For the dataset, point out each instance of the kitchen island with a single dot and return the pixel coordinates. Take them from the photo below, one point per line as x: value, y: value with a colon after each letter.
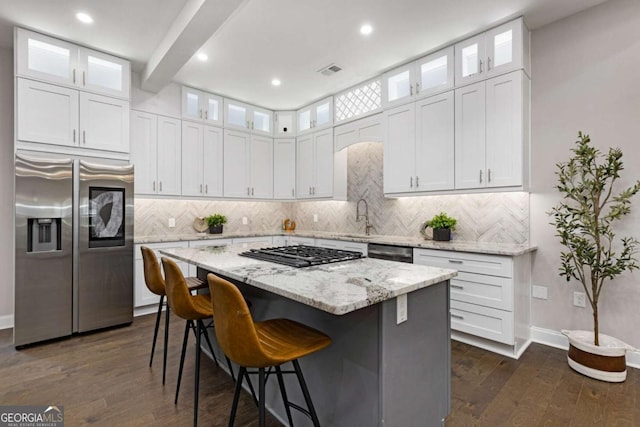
x: 376, y: 371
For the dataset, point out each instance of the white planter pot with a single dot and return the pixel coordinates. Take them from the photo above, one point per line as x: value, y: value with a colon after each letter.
x: 605, y: 362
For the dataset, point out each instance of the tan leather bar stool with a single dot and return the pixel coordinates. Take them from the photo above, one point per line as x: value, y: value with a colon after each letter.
x: 194, y: 309
x: 155, y: 283
x: 261, y: 345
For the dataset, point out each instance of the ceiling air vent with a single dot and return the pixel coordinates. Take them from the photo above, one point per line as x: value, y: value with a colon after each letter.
x: 331, y: 69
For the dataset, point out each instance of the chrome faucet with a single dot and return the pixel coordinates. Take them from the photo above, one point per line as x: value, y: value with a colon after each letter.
x: 367, y: 224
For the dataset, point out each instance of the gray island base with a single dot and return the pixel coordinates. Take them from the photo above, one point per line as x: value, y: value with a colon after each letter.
x: 376, y: 372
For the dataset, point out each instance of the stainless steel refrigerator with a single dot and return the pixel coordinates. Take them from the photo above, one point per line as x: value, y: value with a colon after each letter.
x: 73, y: 248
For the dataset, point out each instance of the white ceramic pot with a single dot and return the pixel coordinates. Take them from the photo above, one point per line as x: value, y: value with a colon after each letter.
x: 605, y: 362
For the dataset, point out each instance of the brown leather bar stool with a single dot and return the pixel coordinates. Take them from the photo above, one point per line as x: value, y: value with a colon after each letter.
x: 261, y: 345
x: 155, y: 283
x: 194, y: 309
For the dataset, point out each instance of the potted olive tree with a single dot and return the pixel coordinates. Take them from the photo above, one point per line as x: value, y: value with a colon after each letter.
x: 215, y: 223
x: 592, y: 256
x: 442, y: 225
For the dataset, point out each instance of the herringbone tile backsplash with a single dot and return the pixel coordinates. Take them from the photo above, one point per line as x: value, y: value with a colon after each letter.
x: 494, y: 217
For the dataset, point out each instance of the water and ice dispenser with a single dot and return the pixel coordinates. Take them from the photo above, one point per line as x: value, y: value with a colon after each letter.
x: 44, y: 234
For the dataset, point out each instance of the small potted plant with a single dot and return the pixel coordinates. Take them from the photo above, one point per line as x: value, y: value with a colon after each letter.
x: 215, y: 222
x: 442, y: 225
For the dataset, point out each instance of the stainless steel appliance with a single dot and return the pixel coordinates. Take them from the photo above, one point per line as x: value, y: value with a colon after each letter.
x: 74, y: 247
x: 390, y: 252
x: 301, y: 255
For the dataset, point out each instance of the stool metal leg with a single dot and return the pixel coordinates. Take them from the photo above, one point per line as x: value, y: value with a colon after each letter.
x: 166, y: 343
x: 197, y: 379
x: 261, y: 406
x: 283, y: 392
x: 305, y: 392
x: 236, y: 395
x: 184, y: 349
x: 155, y: 331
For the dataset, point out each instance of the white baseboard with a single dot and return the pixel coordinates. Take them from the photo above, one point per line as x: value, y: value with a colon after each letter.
x: 147, y: 309
x: 557, y: 340
x: 6, y: 321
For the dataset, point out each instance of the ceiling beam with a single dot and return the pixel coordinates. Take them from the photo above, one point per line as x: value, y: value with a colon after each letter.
x: 195, y: 24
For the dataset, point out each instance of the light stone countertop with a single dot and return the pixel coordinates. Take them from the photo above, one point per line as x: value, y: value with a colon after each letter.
x: 416, y: 242
x: 337, y: 288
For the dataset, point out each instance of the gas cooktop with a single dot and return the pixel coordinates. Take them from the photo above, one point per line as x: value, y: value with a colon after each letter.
x: 301, y: 255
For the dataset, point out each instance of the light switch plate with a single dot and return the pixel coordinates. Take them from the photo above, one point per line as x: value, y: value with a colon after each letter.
x: 401, y: 308
x: 539, y: 292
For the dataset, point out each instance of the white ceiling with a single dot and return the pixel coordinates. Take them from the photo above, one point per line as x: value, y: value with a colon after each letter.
x: 264, y: 39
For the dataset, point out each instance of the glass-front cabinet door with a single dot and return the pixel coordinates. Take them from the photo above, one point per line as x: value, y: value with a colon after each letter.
x: 212, y: 109
x: 46, y: 58
x: 304, y: 120
x: 397, y: 86
x: 435, y: 73
x: 105, y: 73
x: 261, y: 121
x: 201, y: 106
x: 470, y: 60
x: 236, y: 115
x: 505, y: 48
x: 323, y: 113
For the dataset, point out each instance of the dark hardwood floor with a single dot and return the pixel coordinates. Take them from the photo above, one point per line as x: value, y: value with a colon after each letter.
x: 104, y: 379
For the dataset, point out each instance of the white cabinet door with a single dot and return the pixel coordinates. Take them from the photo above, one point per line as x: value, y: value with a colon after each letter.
x: 505, y: 48
x: 104, y: 73
x: 201, y: 106
x: 144, y: 128
x: 434, y: 157
x: 504, y: 144
x: 192, y: 162
x: 236, y: 164
x: 323, y: 114
x: 104, y: 123
x: 305, y: 120
x: 261, y: 169
x: 285, y: 124
x: 169, y: 156
x: 434, y: 73
x: 236, y: 115
x: 399, y: 149
x: 212, y: 109
x: 398, y: 86
x: 261, y: 121
x: 304, y: 167
x: 46, y: 58
x: 470, y: 136
x: 47, y: 113
x: 470, y: 60
x: 284, y: 168
x: 323, y: 141
x: 212, y: 158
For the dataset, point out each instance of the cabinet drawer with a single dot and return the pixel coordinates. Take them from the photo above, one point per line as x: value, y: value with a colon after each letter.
x: 493, y: 265
x: 488, y: 291
x: 485, y: 322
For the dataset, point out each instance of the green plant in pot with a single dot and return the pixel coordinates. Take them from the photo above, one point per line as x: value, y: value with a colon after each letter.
x: 442, y: 225
x: 592, y: 256
x: 215, y: 223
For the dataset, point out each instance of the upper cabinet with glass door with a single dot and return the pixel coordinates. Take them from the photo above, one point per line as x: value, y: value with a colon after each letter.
x: 425, y: 77
x: 316, y: 116
x: 500, y: 50
x: 56, y: 61
x: 201, y: 106
x: 247, y: 117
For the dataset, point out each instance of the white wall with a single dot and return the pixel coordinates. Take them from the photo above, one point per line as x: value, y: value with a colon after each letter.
x: 585, y: 77
x: 6, y: 187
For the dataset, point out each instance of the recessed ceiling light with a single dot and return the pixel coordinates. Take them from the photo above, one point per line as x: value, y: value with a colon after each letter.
x: 202, y: 57
x: 83, y: 17
x: 276, y: 82
x: 366, y: 29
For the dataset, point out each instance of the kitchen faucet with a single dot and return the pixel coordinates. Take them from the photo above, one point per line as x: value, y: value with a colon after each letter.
x: 367, y: 225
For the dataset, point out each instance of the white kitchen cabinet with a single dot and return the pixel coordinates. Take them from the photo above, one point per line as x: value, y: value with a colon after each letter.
x: 491, y: 135
x: 419, y: 79
x: 247, y: 117
x: 248, y: 160
x: 156, y: 151
x: 500, y: 50
x: 367, y: 129
x: 284, y: 124
x: 202, y: 157
x: 201, y: 106
x: 284, y: 168
x: 142, y: 295
x: 490, y: 298
x: 56, y: 61
x: 193, y: 269
x: 419, y: 146
x: 316, y: 116
x: 52, y: 114
x: 314, y: 165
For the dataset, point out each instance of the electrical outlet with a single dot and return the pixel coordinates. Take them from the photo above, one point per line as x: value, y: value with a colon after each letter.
x: 172, y: 222
x: 401, y: 308
x: 315, y: 217
x: 245, y: 221
x: 579, y: 299
x: 539, y: 292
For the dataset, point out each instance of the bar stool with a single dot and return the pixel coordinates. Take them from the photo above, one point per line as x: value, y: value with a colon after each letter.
x: 261, y: 345
x: 155, y: 283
